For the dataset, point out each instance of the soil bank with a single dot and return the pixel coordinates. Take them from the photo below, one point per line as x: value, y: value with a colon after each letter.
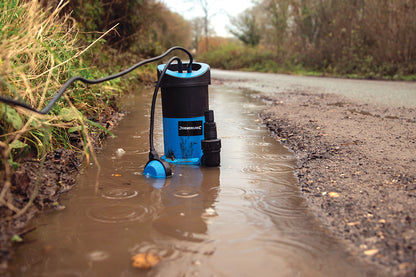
x: 356, y: 169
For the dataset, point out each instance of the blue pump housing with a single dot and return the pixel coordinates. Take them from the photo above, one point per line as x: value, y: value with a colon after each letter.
x: 184, y: 101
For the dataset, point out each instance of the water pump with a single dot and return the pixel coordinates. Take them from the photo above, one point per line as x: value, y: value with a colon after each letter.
x: 189, y: 130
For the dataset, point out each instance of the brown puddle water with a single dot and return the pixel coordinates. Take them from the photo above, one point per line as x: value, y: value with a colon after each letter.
x: 246, y: 218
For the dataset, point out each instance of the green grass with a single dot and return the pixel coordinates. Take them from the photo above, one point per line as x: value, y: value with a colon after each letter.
x: 39, y: 52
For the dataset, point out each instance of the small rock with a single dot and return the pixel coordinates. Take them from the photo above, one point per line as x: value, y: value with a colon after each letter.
x: 120, y: 152
x: 333, y: 194
x: 371, y: 252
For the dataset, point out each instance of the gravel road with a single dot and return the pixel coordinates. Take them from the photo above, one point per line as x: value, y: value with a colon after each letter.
x: 356, y: 143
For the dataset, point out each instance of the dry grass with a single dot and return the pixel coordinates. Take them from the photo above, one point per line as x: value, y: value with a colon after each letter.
x: 39, y: 50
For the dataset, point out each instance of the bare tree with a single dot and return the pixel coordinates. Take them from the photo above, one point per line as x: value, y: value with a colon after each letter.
x: 205, y: 9
x: 197, y: 30
x: 245, y: 28
x: 208, y: 12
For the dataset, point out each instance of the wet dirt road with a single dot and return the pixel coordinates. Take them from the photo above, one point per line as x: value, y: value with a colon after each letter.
x: 246, y: 218
x: 355, y: 141
x: 392, y: 94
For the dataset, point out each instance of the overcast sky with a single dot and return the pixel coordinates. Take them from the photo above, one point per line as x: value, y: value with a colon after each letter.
x: 221, y: 9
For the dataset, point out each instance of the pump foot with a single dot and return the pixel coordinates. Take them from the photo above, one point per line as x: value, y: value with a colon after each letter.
x: 157, y: 169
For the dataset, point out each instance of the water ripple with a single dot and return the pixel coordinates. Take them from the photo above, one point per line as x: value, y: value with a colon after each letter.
x: 186, y: 192
x: 167, y: 251
x: 119, y: 193
x: 288, y: 245
x: 270, y: 168
x: 117, y: 213
x: 229, y: 191
x: 285, y: 205
x: 274, y: 157
x: 254, y: 128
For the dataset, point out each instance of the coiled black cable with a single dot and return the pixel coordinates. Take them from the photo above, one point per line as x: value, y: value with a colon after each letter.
x: 70, y: 81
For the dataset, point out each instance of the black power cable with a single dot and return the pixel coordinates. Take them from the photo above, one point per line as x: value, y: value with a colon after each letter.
x: 152, y: 153
x: 65, y: 86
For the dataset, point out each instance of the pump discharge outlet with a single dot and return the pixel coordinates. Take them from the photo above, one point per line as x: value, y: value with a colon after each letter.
x: 211, y: 145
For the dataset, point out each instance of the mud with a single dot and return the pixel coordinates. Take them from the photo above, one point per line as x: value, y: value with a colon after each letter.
x: 356, y: 168
x: 42, y: 181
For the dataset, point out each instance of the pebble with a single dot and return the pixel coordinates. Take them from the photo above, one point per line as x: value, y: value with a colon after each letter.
x: 371, y: 252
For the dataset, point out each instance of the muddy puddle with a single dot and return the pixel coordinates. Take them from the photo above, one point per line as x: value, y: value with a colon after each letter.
x: 246, y: 218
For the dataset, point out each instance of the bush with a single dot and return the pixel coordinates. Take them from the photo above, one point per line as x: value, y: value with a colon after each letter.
x: 235, y: 56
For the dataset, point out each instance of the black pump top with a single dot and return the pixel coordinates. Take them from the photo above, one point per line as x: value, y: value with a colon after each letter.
x: 200, y: 75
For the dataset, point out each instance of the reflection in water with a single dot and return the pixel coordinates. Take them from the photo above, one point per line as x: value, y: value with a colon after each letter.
x: 246, y: 218
x: 186, y: 199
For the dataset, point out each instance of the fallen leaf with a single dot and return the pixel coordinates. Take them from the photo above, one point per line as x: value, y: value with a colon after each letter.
x: 333, y: 194
x: 371, y: 252
x: 146, y: 260
x: 16, y: 238
x: 117, y: 175
x: 353, y: 223
x: 382, y: 221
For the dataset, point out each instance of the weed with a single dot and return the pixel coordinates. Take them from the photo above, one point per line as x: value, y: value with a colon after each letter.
x: 39, y: 51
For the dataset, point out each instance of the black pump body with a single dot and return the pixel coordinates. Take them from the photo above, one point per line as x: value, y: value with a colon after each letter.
x: 184, y: 102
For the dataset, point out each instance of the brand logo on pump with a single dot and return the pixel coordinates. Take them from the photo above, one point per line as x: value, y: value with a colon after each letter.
x: 190, y: 128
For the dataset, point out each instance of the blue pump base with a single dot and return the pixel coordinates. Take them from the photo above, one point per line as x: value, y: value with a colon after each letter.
x: 157, y: 169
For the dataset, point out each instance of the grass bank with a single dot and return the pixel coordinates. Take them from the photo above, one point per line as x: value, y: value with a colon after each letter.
x: 39, y: 50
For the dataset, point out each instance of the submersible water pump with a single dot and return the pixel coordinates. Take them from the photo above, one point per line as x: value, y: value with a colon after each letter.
x: 189, y: 130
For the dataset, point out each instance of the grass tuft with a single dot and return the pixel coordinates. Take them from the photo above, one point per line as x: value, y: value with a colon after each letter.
x: 39, y: 51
